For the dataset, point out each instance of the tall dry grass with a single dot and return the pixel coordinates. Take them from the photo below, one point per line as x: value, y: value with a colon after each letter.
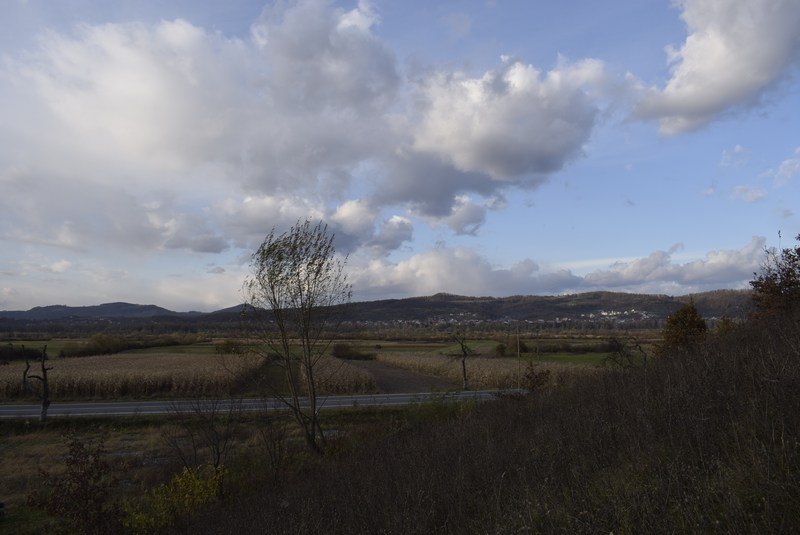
x: 482, y: 372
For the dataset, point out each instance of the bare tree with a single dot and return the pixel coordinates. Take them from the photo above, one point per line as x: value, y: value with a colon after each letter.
x: 466, y: 351
x: 297, y: 280
x: 206, y: 424
x: 42, y: 392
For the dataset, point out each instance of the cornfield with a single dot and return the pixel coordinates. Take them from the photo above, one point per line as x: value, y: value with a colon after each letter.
x: 337, y: 376
x: 129, y: 375
x: 143, y: 375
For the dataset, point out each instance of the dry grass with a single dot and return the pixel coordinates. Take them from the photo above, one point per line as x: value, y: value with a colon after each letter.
x: 130, y: 375
x: 482, y: 372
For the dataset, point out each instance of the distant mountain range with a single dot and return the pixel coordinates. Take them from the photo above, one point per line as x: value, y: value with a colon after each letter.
x: 107, y: 310
x: 591, y: 305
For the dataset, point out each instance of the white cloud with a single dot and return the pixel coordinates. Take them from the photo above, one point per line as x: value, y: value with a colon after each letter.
x: 735, y: 51
x: 788, y: 169
x: 734, y: 157
x: 392, y: 234
x: 60, y: 266
x: 354, y: 217
x: 466, y: 216
x: 136, y: 111
x: 717, y: 269
x: 432, y: 271
x: 249, y: 220
x: 206, y: 291
x: 748, y: 194
x: 132, y: 112
x: 511, y: 122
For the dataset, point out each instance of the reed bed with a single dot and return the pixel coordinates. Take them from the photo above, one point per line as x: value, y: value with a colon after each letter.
x: 127, y: 375
x: 482, y: 372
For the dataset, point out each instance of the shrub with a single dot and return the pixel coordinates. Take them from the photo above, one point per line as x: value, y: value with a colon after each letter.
x: 171, y: 504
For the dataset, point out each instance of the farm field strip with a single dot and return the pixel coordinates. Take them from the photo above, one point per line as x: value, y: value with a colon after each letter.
x: 482, y: 372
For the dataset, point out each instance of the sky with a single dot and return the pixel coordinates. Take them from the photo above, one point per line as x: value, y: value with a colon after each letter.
x: 475, y: 147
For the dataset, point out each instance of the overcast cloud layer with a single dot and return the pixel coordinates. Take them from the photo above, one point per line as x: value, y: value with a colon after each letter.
x: 143, y: 161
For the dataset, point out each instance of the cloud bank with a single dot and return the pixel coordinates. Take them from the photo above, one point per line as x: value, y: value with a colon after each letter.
x: 431, y: 272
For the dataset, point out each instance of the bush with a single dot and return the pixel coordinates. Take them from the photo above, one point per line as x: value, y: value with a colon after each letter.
x: 172, y: 504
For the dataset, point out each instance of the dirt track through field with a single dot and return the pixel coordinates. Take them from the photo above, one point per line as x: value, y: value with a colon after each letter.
x: 391, y: 380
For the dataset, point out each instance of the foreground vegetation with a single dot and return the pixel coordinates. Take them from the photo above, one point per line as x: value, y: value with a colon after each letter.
x: 702, y: 440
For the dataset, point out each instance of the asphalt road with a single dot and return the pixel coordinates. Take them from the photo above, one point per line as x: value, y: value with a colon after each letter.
x: 136, y: 408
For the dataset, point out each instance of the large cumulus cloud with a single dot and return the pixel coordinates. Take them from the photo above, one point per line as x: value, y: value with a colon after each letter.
x: 511, y: 122
x: 735, y: 51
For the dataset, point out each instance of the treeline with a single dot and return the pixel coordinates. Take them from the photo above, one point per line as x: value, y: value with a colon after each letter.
x: 108, y: 344
x: 9, y: 352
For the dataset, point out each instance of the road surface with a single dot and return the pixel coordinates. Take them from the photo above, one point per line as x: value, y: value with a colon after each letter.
x: 139, y: 408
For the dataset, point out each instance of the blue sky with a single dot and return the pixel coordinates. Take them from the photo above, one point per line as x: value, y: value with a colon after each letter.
x: 472, y: 147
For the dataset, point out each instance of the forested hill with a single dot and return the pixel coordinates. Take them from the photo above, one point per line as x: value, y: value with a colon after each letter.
x: 584, y: 306
x: 107, y: 310
x: 591, y: 305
